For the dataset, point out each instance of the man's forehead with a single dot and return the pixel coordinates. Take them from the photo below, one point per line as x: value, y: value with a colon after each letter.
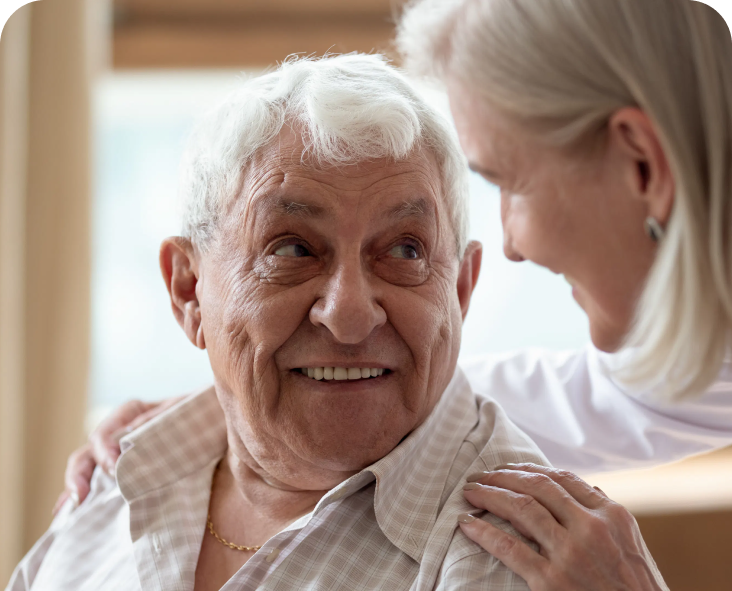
x: 292, y: 188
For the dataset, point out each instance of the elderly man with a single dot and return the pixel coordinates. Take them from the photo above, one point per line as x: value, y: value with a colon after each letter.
x: 325, y: 269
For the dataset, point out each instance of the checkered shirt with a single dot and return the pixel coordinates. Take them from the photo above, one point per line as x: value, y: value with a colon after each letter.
x: 392, y: 526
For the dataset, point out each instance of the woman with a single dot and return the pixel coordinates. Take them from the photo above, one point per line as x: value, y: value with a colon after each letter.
x: 608, y: 128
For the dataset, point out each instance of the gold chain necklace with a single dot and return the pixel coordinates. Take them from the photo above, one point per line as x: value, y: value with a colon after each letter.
x: 229, y: 544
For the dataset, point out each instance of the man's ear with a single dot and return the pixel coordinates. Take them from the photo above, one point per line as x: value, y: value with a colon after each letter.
x: 179, y: 267
x: 649, y: 174
x: 468, y: 274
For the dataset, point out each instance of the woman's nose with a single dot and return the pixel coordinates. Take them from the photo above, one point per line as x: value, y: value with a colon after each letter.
x: 508, y: 249
x: 348, y: 308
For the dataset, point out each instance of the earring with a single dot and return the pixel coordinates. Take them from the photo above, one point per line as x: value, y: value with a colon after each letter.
x: 653, y: 229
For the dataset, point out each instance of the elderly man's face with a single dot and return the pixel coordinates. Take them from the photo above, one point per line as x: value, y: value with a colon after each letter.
x: 323, y: 267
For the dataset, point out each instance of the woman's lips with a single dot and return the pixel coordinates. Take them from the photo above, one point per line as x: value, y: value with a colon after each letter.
x: 570, y: 280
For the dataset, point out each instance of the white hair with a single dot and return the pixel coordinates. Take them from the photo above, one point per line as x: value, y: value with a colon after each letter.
x: 348, y: 108
x: 564, y: 67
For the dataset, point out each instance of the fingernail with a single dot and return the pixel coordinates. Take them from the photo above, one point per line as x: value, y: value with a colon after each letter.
x: 477, y: 476
x: 109, y: 467
x: 471, y: 486
x: 74, y: 495
x: 465, y: 518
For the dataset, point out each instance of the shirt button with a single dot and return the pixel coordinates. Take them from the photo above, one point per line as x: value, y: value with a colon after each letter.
x: 272, y: 556
x: 156, y: 543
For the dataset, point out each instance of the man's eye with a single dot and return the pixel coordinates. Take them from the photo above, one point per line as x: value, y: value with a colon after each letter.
x: 292, y: 250
x: 404, y: 251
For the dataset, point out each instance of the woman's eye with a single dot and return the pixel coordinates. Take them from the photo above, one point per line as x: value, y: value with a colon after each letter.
x: 404, y: 251
x: 292, y: 250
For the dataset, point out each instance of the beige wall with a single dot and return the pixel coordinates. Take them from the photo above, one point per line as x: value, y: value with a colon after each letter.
x: 44, y: 260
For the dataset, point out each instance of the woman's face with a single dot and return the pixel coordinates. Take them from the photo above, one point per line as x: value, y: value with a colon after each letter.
x: 579, y: 216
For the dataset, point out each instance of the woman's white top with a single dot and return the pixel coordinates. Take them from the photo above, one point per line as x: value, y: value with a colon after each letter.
x: 585, y: 421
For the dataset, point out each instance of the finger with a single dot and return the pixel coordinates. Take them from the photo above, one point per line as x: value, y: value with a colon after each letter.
x: 79, y: 470
x: 589, y: 496
x: 153, y: 412
x: 599, y: 490
x: 565, y: 509
x: 527, y: 515
x: 105, y: 438
x: 62, y: 498
x: 511, y: 551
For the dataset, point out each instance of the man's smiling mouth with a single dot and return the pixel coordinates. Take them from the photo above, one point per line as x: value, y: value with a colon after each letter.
x: 342, y: 373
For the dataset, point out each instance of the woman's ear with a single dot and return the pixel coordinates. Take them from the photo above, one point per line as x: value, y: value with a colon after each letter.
x: 648, y: 173
x: 179, y: 267
x: 468, y: 274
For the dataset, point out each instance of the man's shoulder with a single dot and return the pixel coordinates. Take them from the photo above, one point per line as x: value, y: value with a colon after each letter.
x: 470, y: 568
x: 490, y: 441
x: 498, y: 440
x: 181, y: 441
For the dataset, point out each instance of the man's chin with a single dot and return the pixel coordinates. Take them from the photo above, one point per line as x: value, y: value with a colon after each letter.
x: 351, y: 452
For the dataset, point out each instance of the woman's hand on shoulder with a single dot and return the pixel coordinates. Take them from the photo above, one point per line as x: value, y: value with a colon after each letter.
x: 102, y: 448
x: 585, y: 540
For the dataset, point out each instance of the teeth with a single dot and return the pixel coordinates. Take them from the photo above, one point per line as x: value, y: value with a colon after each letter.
x: 341, y: 373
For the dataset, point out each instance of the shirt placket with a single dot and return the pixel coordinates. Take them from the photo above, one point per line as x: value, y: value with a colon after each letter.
x: 254, y: 574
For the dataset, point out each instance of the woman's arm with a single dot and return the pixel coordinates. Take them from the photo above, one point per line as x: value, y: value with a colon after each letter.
x: 585, y: 422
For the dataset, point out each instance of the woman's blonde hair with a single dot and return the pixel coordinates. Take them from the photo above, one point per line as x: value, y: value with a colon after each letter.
x: 565, y: 66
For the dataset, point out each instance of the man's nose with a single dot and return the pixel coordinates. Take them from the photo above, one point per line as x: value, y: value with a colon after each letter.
x: 348, y: 308
x: 508, y: 249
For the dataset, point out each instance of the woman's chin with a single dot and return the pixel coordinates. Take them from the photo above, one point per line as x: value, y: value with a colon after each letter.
x: 606, y: 338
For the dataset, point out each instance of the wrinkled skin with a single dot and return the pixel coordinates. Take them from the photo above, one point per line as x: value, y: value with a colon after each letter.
x: 319, y: 266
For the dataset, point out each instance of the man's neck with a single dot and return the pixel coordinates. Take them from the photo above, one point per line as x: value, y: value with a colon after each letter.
x: 261, y: 496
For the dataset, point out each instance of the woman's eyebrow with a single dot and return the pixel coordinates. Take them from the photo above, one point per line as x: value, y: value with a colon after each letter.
x: 483, y: 171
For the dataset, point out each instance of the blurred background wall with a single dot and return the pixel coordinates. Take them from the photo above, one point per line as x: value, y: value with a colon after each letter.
x: 46, y: 61
x: 96, y: 100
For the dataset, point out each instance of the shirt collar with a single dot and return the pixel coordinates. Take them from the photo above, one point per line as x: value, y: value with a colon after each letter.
x: 175, y: 444
x: 410, y: 480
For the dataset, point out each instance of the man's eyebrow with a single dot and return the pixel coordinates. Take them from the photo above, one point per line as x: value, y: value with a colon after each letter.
x: 412, y: 208
x: 296, y: 209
